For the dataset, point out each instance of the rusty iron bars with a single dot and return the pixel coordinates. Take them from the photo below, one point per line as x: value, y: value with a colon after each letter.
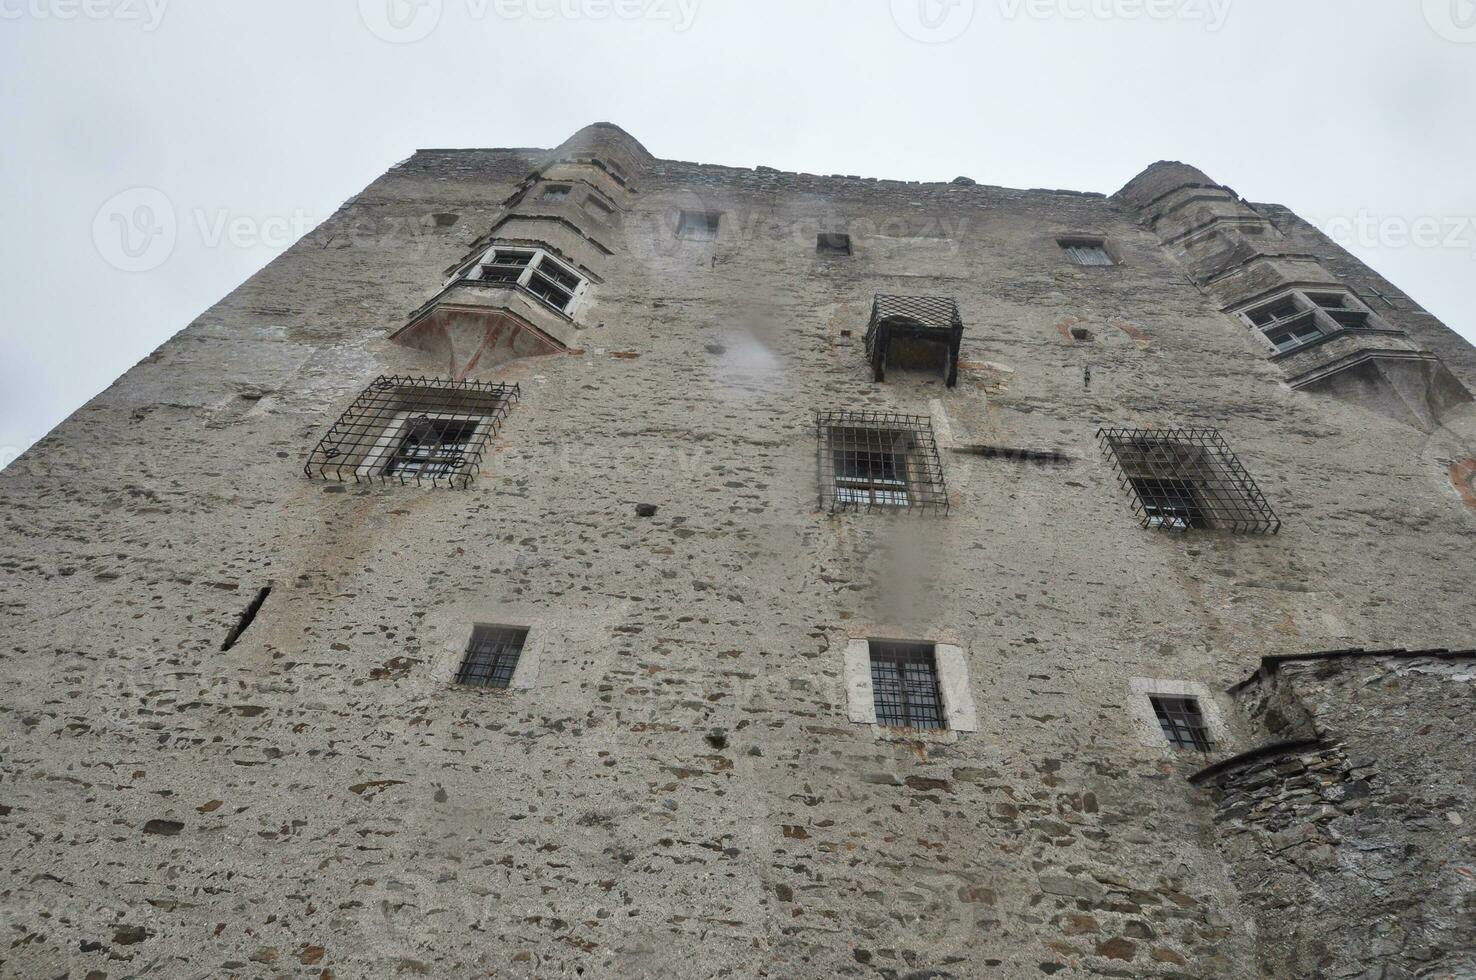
x: 421, y: 431
x: 904, y: 685
x: 879, y: 461
x: 1187, y: 479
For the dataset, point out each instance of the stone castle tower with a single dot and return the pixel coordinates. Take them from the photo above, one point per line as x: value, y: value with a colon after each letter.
x: 572, y: 563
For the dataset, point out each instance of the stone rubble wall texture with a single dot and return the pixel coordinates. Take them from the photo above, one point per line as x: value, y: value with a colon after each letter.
x: 680, y: 792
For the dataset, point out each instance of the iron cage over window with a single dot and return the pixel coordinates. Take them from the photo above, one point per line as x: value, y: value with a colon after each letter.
x: 879, y: 460
x: 914, y: 331
x: 1182, y: 479
x: 423, y: 431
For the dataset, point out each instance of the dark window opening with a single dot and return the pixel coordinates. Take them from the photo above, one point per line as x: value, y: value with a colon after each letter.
x: 833, y: 244
x: 554, y: 193
x: 1184, y: 479
x: 432, y: 447
x: 699, y: 226
x: 1086, y: 251
x: 553, y: 284
x: 506, y: 266
x: 492, y: 657
x: 1290, y: 336
x: 1270, y: 314
x: 904, y: 685
x: 1182, y: 722
x: 243, y: 623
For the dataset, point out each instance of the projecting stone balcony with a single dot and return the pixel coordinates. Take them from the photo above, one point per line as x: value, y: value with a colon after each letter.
x: 479, y: 324
x: 1381, y: 370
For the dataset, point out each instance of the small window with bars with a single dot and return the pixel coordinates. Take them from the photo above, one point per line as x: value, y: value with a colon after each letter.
x: 1182, y: 722
x: 1185, y: 479
x: 875, y: 460
x: 531, y: 270
x: 554, y: 193
x: 904, y: 685
x: 492, y: 657
x: 422, y: 431
x: 699, y: 226
x: 1086, y: 251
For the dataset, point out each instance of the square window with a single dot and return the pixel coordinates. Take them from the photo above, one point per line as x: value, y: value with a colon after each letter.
x: 904, y: 684
x: 505, y: 266
x: 1289, y: 336
x: 413, y: 430
x: 492, y: 657
x: 833, y: 244
x: 554, y: 193
x: 699, y: 226
x: 1184, y: 479
x: 1086, y: 251
x: 878, y: 460
x: 1182, y: 722
x: 432, y: 446
x: 534, y: 271
x: 1271, y: 313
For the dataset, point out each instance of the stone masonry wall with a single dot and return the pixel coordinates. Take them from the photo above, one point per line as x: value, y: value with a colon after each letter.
x: 679, y: 791
x: 1353, y: 849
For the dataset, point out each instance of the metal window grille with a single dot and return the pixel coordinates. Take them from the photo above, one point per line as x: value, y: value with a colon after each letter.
x: 879, y: 460
x: 1182, y: 722
x: 1187, y: 478
x: 699, y: 226
x: 533, y: 271
x: 492, y: 657
x: 904, y: 685
x: 423, y: 431
x: 1087, y: 253
x: 914, y: 319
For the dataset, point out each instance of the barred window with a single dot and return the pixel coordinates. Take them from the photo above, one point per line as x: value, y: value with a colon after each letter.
x: 914, y: 333
x: 1182, y: 722
x: 1086, y: 251
x: 699, y: 226
x: 904, y: 684
x: 554, y: 193
x: 1183, y: 479
x: 423, y: 431
x: 879, y: 460
x: 531, y: 270
x: 492, y: 656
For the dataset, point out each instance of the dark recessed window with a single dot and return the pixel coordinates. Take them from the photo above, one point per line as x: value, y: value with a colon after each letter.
x: 432, y: 447
x: 1182, y: 722
x: 1086, y: 251
x: 904, y: 684
x: 1181, y: 479
x: 1293, y: 333
x: 833, y: 244
x: 699, y: 226
x: 872, y: 460
x: 556, y: 192
x: 533, y: 271
x: 492, y: 656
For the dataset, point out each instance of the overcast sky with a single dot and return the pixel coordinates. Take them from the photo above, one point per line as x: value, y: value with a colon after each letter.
x: 252, y: 121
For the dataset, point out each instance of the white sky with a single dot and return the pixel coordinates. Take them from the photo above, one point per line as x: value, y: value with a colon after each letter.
x: 1352, y: 112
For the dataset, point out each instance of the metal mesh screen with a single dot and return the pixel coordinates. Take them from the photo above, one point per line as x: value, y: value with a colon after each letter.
x: 1181, y: 479
x: 879, y: 460
x: 413, y: 430
x: 492, y: 656
x: 929, y: 320
x: 1182, y: 722
x: 904, y: 684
